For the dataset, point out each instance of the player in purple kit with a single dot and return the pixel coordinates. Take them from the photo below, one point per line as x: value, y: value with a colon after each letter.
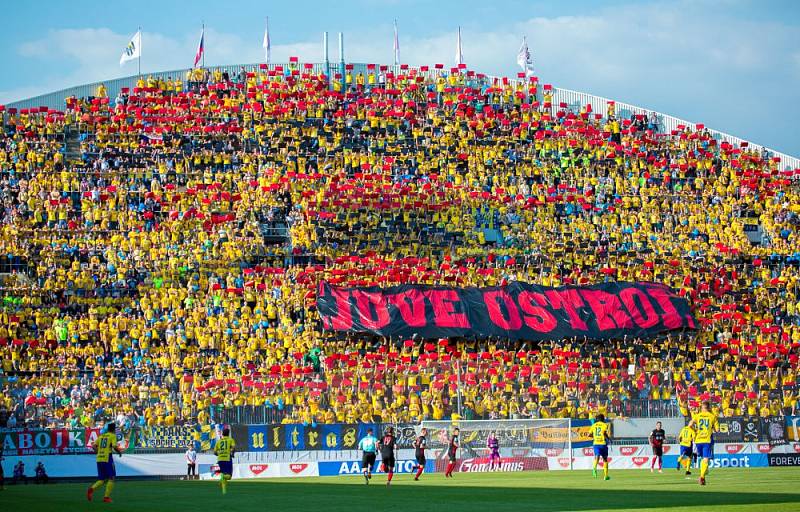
x: 494, y: 451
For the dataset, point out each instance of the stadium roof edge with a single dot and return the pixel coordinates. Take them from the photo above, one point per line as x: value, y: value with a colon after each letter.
x: 56, y: 100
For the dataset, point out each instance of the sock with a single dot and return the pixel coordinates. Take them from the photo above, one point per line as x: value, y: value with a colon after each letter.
x: 687, y: 463
x: 594, y: 465
x: 98, y: 484
x: 653, y: 463
x: 109, y: 488
x: 660, y: 462
x: 703, y: 468
x: 419, y: 470
x: 390, y: 475
x: 605, y: 468
x: 224, y: 483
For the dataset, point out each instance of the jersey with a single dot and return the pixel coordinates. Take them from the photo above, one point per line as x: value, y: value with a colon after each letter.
x: 657, y: 437
x: 706, y: 423
x: 224, y: 449
x: 387, y: 445
x: 493, y: 444
x: 686, y: 437
x: 453, y: 447
x: 105, y: 444
x: 420, y: 445
x: 368, y: 444
x: 600, y: 433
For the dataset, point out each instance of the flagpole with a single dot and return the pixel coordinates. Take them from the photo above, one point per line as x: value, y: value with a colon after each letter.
x: 139, y: 60
x: 269, y: 44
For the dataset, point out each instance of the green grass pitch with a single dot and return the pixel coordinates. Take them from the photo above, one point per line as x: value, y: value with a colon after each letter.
x: 762, y: 490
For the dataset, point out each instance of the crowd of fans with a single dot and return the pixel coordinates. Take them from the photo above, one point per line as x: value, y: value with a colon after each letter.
x: 169, y: 268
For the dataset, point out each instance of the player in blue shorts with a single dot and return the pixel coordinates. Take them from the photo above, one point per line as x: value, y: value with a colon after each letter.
x: 706, y: 424
x: 104, y: 447
x: 224, y: 449
x: 686, y: 440
x: 600, y: 439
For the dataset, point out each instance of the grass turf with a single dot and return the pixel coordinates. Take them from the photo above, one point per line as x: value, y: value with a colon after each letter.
x: 762, y: 489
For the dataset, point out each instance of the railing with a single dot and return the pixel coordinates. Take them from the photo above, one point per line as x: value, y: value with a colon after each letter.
x: 573, y: 99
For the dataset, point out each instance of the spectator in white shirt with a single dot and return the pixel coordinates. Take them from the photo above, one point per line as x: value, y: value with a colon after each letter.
x: 191, y: 463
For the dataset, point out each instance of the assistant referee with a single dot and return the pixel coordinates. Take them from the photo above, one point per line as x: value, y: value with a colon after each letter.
x: 369, y: 446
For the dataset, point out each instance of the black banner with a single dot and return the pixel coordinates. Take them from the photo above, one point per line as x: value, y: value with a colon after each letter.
x: 731, y: 430
x: 752, y: 429
x: 784, y: 459
x: 516, y: 311
x: 774, y: 429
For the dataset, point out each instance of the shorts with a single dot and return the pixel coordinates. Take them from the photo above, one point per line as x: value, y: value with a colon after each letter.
x: 421, y: 459
x: 105, y: 470
x: 451, y: 456
x: 388, y: 463
x: 686, y: 451
x: 225, y: 467
x: 601, y: 450
x: 658, y: 451
x: 704, y: 450
x: 494, y: 455
x: 368, y: 460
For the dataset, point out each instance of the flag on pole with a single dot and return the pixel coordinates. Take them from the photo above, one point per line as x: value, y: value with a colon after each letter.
x: 524, y: 58
x: 200, y: 47
x: 459, y: 51
x: 396, y: 45
x: 133, y: 50
x: 266, y: 43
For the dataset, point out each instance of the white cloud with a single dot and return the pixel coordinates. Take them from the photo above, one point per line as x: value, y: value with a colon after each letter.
x: 689, y: 59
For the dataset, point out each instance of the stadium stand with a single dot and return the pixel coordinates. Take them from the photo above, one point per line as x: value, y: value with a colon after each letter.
x: 162, y: 248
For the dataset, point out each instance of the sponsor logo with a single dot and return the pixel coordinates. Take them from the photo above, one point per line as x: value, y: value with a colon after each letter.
x: 639, y: 461
x: 354, y: 467
x: 788, y: 459
x: 588, y: 452
x: 742, y: 461
x: 764, y: 448
x: 797, y: 447
x: 297, y: 468
x: 733, y: 448
x: 667, y: 448
x: 257, y: 469
x: 627, y: 450
x: 553, y: 452
x: 482, y: 466
x: 563, y: 462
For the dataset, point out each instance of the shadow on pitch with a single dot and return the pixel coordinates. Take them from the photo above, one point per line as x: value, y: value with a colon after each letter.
x: 421, y: 497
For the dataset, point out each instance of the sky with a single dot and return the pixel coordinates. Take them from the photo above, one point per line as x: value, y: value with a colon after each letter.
x: 731, y: 64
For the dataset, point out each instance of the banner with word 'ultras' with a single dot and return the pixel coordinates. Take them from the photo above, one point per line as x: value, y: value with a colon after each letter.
x: 515, y: 311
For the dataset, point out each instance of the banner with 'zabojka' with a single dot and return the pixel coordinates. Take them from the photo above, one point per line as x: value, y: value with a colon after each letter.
x: 516, y: 311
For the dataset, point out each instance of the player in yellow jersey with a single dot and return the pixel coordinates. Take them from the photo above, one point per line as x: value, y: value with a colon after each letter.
x: 706, y: 424
x: 104, y: 446
x: 224, y: 449
x: 601, y: 436
x: 686, y: 439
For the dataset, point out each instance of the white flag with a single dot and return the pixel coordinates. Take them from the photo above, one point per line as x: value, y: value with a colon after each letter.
x: 459, y: 52
x: 524, y: 58
x: 133, y: 50
x: 266, y: 43
x: 396, y: 45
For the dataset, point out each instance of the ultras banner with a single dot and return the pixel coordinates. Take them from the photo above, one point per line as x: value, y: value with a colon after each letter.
x: 516, y: 311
